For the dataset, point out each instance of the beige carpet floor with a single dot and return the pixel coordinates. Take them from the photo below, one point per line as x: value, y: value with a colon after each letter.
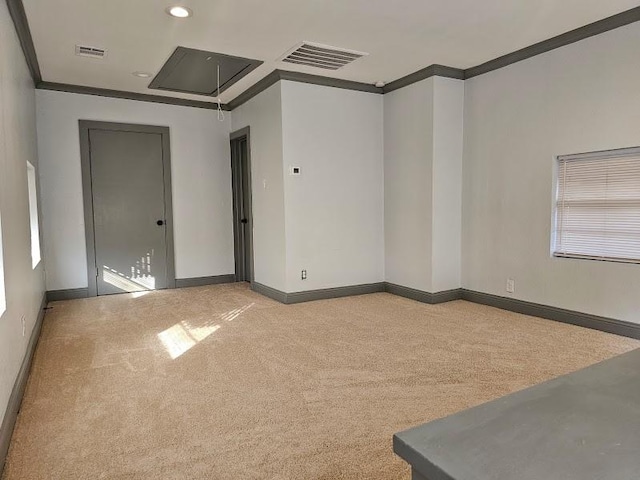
x: 222, y: 383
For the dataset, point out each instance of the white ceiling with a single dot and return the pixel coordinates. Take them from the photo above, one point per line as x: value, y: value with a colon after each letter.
x: 401, y: 36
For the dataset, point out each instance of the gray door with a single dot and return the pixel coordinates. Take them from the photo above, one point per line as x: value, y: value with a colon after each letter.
x: 129, y: 216
x: 243, y: 223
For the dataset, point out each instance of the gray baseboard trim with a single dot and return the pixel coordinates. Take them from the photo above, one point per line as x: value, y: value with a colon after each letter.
x: 15, y: 400
x: 594, y: 322
x: 276, y: 295
x: 313, y: 295
x: 70, y: 294
x: 202, y: 281
x: 338, y: 292
x: 421, y: 296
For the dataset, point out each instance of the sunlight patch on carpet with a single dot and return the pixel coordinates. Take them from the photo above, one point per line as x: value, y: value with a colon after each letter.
x: 183, y: 336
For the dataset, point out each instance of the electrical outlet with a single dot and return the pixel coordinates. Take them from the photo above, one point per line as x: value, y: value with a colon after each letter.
x: 24, y: 326
x: 304, y: 275
x: 511, y: 285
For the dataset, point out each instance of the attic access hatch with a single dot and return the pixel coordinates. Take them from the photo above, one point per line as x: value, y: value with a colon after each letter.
x: 196, y: 71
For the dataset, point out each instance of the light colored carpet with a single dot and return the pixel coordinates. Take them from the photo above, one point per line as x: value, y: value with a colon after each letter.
x: 222, y: 383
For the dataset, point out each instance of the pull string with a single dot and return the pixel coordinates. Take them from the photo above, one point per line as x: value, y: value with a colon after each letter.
x: 220, y: 112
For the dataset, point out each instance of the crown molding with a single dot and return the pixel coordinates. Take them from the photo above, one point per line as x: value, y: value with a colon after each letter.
x: 582, y: 33
x: 428, y: 72
x: 278, y: 75
x: 18, y: 15
x: 141, y: 97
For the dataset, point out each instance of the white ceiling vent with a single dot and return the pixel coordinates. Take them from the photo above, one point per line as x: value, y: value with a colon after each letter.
x: 92, y: 52
x: 321, y: 56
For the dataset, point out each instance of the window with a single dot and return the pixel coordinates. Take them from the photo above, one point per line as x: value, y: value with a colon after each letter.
x: 3, y: 299
x: 33, y: 215
x: 597, y: 214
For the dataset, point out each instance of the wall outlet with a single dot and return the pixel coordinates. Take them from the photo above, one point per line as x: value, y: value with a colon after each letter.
x: 511, y: 285
x: 304, y: 275
x: 24, y: 326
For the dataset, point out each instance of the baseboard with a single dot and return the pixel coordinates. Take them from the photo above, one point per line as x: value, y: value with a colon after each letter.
x: 421, y: 296
x: 70, y: 294
x: 338, y: 292
x: 202, y: 281
x: 269, y: 292
x: 312, y: 295
x: 15, y: 400
x: 603, y: 324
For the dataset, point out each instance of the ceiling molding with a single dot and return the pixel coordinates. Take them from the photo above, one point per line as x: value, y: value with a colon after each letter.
x: 278, y: 75
x: 601, y: 26
x: 329, y: 82
x: 255, y: 89
x: 430, y: 71
x: 141, y: 97
x: 19, y: 17
x: 596, y: 28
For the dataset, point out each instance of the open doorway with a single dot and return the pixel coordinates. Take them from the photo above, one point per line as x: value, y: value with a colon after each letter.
x: 242, y: 213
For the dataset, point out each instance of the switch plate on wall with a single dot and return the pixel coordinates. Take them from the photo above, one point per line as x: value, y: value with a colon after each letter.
x: 304, y: 275
x: 24, y: 325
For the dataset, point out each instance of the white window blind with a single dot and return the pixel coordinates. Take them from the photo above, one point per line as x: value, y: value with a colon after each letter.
x: 598, y: 206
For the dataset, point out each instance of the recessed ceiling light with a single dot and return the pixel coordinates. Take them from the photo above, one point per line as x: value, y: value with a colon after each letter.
x: 141, y: 74
x: 179, y: 12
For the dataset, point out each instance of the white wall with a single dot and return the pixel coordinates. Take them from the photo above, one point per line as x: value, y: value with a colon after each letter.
x: 579, y: 98
x: 200, y: 175
x: 408, y: 152
x: 263, y: 114
x: 448, y: 142
x: 334, y: 211
x: 24, y: 285
x: 423, y: 143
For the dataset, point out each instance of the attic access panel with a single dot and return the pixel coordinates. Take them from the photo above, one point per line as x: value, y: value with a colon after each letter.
x: 195, y: 71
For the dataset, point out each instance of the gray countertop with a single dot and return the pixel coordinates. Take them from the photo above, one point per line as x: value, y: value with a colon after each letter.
x: 581, y: 426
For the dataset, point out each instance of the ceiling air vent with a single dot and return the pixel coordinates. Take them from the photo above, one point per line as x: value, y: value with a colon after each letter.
x: 321, y: 56
x: 92, y: 52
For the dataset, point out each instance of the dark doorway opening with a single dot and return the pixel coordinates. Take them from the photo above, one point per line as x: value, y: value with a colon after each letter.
x: 242, y: 213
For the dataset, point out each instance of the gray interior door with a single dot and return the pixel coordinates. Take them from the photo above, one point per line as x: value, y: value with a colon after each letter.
x: 127, y: 184
x: 243, y: 225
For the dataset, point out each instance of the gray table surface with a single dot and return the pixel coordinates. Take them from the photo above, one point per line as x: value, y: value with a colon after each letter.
x: 581, y: 426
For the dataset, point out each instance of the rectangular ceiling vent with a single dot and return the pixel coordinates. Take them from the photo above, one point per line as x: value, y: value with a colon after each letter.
x: 92, y: 52
x: 321, y: 56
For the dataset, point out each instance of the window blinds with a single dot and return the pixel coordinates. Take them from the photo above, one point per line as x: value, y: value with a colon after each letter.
x: 598, y: 206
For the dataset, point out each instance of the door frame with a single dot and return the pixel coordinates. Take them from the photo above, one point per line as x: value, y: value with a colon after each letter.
x: 234, y: 136
x: 87, y: 194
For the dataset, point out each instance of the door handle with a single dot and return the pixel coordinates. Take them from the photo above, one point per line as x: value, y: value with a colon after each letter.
x: 160, y: 223
x: 244, y: 220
